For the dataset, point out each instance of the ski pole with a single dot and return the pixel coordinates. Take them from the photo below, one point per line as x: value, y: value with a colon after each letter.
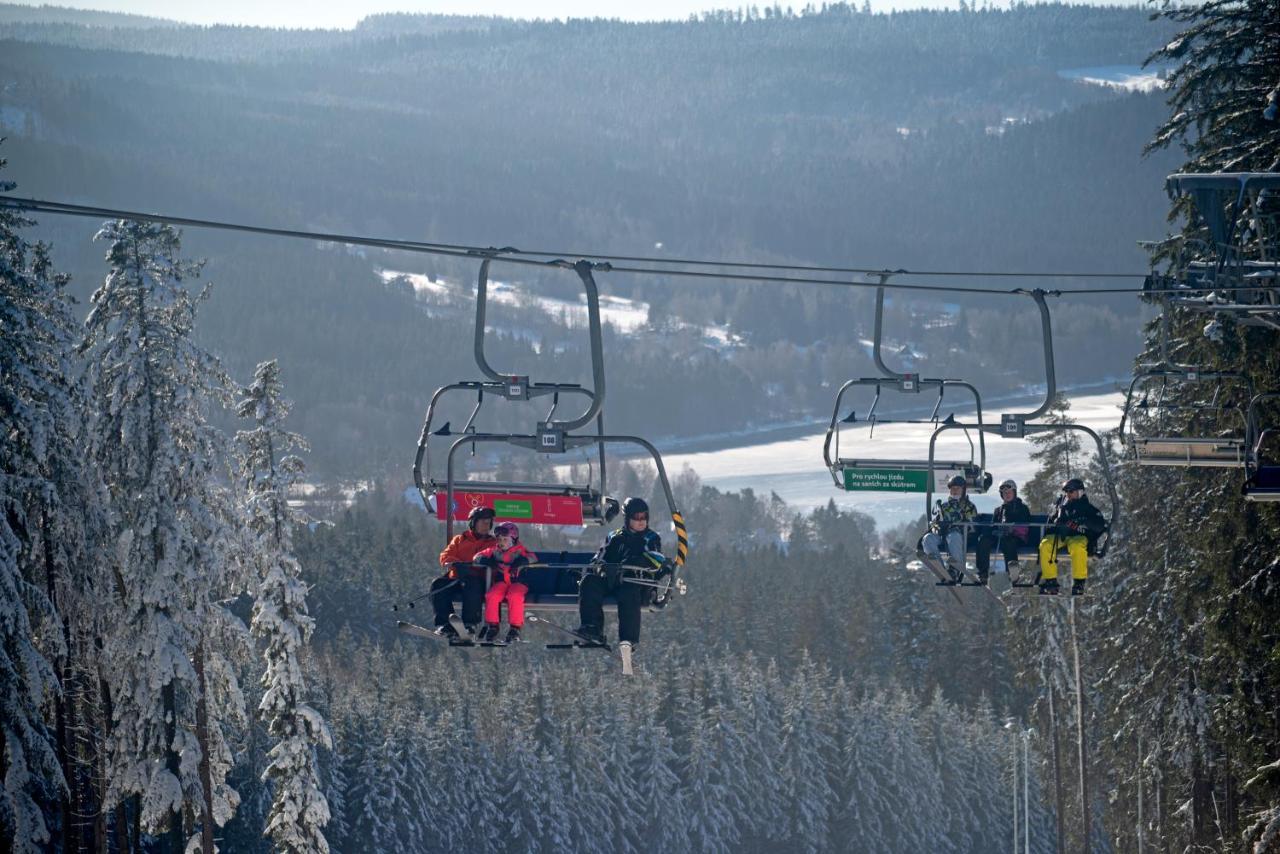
x: 415, y: 600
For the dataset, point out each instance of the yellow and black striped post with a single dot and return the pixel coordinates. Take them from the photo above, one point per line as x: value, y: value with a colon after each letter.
x: 682, y: 538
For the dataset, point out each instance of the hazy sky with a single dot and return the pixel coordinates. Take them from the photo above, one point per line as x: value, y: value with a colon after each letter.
x: 345, y: 13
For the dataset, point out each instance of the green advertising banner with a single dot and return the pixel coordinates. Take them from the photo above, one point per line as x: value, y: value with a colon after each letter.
x: 509, y: 509
x: 885, y: 480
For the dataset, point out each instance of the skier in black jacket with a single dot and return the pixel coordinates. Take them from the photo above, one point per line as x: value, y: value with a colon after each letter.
x: 1014, y: 517
x: 1076, y: 525
x: 634, y: 544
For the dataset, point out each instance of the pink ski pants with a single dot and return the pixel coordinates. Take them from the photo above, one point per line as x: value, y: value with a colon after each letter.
x: 513, y: 592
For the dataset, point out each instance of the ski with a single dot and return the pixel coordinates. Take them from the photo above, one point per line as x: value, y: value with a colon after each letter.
x: 581, y: 642
x: 944, y: 578
x: 624, y: 650
x: 423, y: 632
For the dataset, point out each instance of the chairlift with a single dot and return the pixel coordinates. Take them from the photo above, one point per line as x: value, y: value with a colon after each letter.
x: 1239, y: 263
x: 867, y: 474
x: 1156, y: 393
x: 1262, y: 469
x: 1017, y: 426
x: 452, y: 499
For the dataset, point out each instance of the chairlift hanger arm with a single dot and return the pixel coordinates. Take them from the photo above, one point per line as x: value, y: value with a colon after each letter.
x: 1050, y: 373
x: 584, y: 271
x: 421, y: 459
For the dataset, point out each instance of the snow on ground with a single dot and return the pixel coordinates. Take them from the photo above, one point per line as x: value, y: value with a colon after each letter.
x: 422, y: 284
x: 793, y: 468
x: 1124, y: 78
x: 625, y: 315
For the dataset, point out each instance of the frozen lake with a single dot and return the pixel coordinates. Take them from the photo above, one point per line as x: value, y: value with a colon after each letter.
x: 793, y: 468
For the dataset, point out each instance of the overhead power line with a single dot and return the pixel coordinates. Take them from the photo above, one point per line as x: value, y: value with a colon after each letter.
x: 511, y: 255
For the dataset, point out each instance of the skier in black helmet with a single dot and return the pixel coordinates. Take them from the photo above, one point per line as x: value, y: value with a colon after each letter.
x: 633, y: 545
x: 456, y: 559
x: 1076, y: 525
x: 1013, y: 517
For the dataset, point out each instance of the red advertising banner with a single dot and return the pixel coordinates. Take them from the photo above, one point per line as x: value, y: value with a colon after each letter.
x: 533, y: 509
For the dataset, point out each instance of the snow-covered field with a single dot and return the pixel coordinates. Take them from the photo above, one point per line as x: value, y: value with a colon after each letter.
x: 1125, y: 78
x: 793, y: 468
x: 625, y: 315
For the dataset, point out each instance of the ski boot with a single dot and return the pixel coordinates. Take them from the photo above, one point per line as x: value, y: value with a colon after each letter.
x: 1015, y: 571
x: 513, y: 635
x: 1077, y: 587
x: 1049, y: 587
x: 489, y: 634
x: 447, y: 631
x: 956, y: 575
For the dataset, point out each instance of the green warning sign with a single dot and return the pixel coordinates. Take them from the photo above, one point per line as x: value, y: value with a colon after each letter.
x: 885, y: 480
x: 507, y: 508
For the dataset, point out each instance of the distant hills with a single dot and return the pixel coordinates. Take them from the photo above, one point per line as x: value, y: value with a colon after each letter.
x: 930, y: 140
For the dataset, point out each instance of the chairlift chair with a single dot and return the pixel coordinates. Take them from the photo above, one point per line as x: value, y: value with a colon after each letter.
x: 542, y: 503
x: 1142, y: 424
x: 1235, y: 272
x: 1262, y: 471
x: 1020, y: 425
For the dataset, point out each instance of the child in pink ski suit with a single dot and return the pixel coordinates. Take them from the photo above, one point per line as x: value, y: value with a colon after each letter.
x: 508, y: 557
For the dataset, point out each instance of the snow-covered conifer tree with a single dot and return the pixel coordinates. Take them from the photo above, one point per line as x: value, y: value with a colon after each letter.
x: 33, y: 336
x: 299, y: 810
x: 177, y: 539
x: 808, y: 749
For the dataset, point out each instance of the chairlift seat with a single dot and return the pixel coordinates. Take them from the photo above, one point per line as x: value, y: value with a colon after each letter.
x: 863, y: 475
x: 531, y: 503
x: 1263, y: 485
x: 1028, y: 549
x: 554, y: 587
x: 1190, y: 452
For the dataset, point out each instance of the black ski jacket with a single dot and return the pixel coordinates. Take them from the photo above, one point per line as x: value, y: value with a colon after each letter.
x: 1087, y: 518
x: 1013, y: 513
x: 626, y: 546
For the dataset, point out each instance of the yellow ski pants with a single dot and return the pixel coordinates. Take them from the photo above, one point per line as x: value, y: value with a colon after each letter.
x: 1077, y: 547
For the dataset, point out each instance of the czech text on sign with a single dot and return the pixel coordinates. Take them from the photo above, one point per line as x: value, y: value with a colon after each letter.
x: 885, y: 480
x: 534, y: 509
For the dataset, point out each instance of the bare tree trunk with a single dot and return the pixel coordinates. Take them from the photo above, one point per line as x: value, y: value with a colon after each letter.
x: 64, y: 838
x: 1080, y: 745
x: 1057, y: 776
x: 1141, y: 830
x: 6, y: 844
x: 1202, y: 834
x: 202, y: 736
x: 173, y: 837
x: 123, y: 843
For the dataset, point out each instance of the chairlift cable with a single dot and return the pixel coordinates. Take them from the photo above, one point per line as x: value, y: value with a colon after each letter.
x: 511, y: 255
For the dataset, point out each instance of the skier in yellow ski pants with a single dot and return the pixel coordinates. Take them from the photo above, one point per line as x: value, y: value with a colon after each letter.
x: 1077, y: 547
x: 1071, y: 523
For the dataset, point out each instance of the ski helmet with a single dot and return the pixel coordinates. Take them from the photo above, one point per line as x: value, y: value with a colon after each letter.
x: 957, y: 480
x: 478, y: 513
x: 1073, y: 484
x: 508, y: 529
x: 1009, y: 484
x: 632, y: 506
